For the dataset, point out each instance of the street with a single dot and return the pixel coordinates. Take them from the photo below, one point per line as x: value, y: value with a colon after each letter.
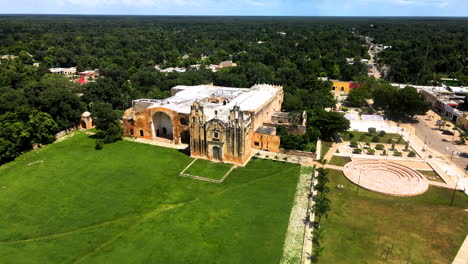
x: 435, y: 140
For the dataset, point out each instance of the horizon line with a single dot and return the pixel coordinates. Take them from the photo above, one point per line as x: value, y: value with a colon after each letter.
x: 180, y: 15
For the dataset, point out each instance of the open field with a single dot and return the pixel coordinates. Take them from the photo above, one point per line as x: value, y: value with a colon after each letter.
x: 127, y: 204
x: 207, y: 169
x: 431, y: 176
x: 339, y: 161
x: 326, y: 145
x: 421, y: 229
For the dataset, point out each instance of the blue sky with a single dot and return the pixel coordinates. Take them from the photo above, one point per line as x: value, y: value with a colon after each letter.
x: 240, y: 7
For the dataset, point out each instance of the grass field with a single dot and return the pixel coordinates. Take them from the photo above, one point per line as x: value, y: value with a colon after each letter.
x: 422, y: 229
x: 127, y: 204
x: 431, y: 176
x: 326, y: 145
x: 339, y: 161
x: 208, y: 169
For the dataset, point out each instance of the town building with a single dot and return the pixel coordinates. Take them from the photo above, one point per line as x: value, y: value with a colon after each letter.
x: 218, y: 123
x: 445, y: 100
x: 64, y: 71
x: 343, y: 86
x: 196, y: 67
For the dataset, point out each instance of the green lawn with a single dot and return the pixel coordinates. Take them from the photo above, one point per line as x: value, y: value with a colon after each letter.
x: 366, y: 137
x: 127, y: 204
x: 431, y: 176
x: 325, y: 147
x: 208, y: 169
x: 339, y: 161
x: 422, y: 229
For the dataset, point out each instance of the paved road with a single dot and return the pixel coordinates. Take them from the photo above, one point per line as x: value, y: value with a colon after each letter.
x: 436, y: 141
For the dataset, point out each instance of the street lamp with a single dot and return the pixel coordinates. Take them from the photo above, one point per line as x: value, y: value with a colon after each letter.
x: 454, y: 190
x: 359, y: 181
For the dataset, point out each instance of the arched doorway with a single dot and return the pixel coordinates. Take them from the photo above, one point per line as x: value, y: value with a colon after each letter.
x: 162, y: 124
x: 185, y: 137
x: 216, y: 153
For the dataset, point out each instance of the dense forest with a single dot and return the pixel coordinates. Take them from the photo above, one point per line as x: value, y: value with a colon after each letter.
x: 287, y: 51
x: 423, y: 49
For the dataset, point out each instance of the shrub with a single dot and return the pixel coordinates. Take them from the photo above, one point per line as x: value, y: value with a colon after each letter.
x: 371, y: 151
x: 362, y: 137
x: 397, y: 153
x: 406, y: 146
x: 353, y: 144
x: 376, y: 139
x: 379, y: 147
x: 372, y: 130
x: 393, y: 146
x: 389, y: 140
x: 357, y: 151
x: 344, y: 109
x: 382, y: 133
x: 399, y: 139
x: 411, y: 154
x: 384, y: 153
x: 99, y: 144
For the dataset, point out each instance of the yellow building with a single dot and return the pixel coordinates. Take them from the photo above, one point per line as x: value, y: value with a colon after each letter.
x: 341, y: 86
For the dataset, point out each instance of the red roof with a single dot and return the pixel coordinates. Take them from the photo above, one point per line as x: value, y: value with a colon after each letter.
x: 82, y: 80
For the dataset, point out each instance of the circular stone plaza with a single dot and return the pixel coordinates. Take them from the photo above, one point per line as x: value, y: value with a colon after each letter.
x: 386, y: 177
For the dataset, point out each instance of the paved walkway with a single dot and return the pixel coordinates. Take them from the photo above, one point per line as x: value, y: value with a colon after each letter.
x: 295, y: 244
x: 333, y: 167
x: 328, y: 156
x: 159, y: 142
x: 462, y: 256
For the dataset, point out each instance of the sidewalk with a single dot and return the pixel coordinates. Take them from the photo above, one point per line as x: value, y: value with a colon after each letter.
x: 462, y: 256
x: 159, y: 143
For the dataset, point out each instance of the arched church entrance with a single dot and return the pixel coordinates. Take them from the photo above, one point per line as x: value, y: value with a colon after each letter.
x: 163, y: 125
x: 216, y: 153
x: 185, y: 137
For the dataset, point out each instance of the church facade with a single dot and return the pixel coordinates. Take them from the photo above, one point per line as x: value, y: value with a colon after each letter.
x: 218, y: 123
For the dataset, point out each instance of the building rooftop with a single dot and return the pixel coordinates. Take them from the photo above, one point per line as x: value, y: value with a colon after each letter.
x: 266, y: 130
x: 217, y: 101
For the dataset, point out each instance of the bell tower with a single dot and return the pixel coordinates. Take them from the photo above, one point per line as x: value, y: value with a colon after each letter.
x: 197, y: 130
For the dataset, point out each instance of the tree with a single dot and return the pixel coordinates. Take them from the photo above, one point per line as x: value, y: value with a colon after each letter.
x: 42, y: 127
x: 357, y: 97
x: 321, y: 207
x: 328, y: 123
x: 107, y: 122
x: 14, y: 136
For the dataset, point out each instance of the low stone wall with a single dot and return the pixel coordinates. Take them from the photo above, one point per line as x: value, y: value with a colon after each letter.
x: 64, y: 132
x: 298, y: 153
x: 291, y: 158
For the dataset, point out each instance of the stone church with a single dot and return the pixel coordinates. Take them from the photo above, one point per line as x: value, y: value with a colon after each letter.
x: 218, y: 123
